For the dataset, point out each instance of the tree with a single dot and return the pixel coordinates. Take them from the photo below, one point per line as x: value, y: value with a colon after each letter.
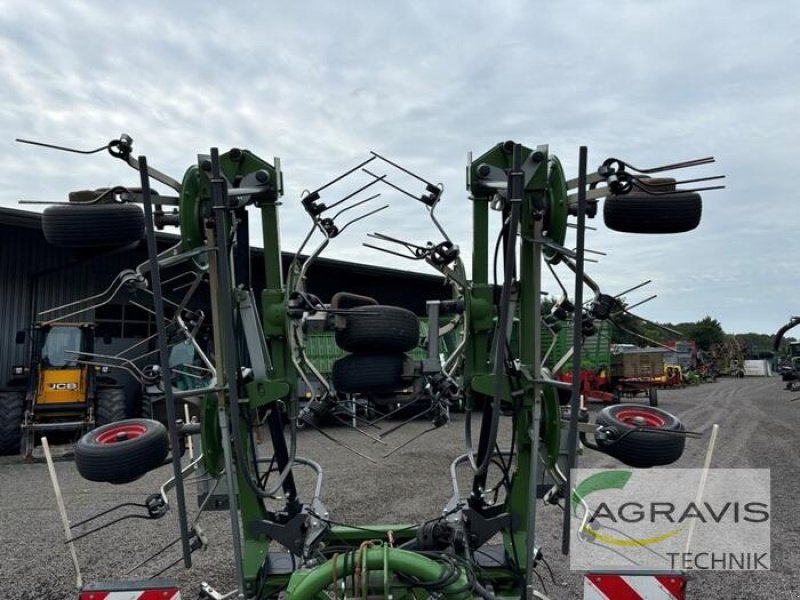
x: 706, y: 333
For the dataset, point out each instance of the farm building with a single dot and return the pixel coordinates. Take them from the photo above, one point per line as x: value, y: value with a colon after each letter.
x: 35, y: 276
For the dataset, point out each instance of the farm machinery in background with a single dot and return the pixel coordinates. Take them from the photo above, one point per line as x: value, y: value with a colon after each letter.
x: 249, y: 410
x: 790, y: 369
x: 55, y: 391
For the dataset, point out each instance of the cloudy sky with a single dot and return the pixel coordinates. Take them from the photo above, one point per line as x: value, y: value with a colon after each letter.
x: 320, y: 84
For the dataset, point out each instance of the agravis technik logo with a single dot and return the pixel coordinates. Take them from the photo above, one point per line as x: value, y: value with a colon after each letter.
x: 671, y: 518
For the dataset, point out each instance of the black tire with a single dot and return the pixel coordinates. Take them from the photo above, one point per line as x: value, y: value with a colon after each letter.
x: 11, y: 411
x: 368, y: 373
x: 637, y: 448
x: 379, y: 328
x: 653, y: 396
x: 123, y: 451
x: 92, y: 225
x: 638, y: 212
x: 111, y: 405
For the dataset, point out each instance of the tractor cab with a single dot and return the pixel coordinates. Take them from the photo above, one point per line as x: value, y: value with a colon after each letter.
x: 56, y: 391
x: 794, y: 353
x: 60, y: 382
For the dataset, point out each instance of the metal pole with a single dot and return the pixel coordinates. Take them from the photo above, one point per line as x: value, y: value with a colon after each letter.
x: 226, y: 353
x: 702, y: 486
x: 577, y: 341
x: 62, y: 511
x: 531, y: 355
x: 163, y: 350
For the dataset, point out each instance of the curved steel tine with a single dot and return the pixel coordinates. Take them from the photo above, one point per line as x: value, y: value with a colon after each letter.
x: 343, y: 175
x: 307, y: 263
x: 127, y: 365
x: 79, y: 312
x: 646, y: 186
x: 354, y: 205
x: 305, y: 241
x: 678, y: 165
x: 392, y: 252
x: 202, y: 355
x: 178, y: 277
x: 639, y: 335
x: 590, y: 251
x: 586, y: 227
x: 122, y: 281
x: 63, y: 148
x: 586, y: 278
x: 390, y: 184
x: 634, y: 288
x: 626, y: 309
x: 407, y: 421
x: 407, y: 245
x: 431, y: 208
x: 403, y: 169
x: 407, y: 442
x: 436, y: 222
x: 387, y: 238
x: 566, y: 252
x: 344, y: 422
x: 342, y: 444
x: 558, y: 280
x: 144, y: 267
x: 364, y: 216
x: 192, y: 288
x: 653, y: 323
x: 167, y: 300
x: 358, y: 191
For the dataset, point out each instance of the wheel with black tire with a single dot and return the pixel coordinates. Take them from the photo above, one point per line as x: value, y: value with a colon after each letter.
x: 11, y: 412
x: 653, y: 396
x: 121, y: 452
x: 378, y: 328
x: 92, y: 225
x: 638, y: 212
x: 111, y: 405
x: 367, y: 373
x: 640, y: 436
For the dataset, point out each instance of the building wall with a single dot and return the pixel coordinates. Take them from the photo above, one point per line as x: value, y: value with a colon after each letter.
x: 32, y: 278
x: 35, y: 276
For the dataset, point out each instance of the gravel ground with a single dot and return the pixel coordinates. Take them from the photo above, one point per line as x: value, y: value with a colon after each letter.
x: 758, y: 426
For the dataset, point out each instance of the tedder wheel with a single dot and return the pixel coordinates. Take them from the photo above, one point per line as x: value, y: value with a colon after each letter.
x: 11, y: 405
x: 369, y: 373
x: 640, y: 447
x: 92, y: 225
x: 653, y: 396
x: 379, y: 328
x: 121, y: 452
x: 111, y: 405
x: 639, y: 212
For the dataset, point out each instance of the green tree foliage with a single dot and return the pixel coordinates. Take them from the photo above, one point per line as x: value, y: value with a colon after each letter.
x: 706, y: 333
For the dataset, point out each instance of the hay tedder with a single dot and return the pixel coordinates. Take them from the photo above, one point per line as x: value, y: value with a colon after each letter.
x: 483, y: 543
x: 790, y: 370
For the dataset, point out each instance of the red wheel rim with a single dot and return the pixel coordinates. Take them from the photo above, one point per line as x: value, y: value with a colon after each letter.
x: 121, y: 433
x: 640, y: 417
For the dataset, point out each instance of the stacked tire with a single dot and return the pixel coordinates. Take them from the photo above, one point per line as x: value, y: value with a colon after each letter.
x: 377, y: 338
x: 93, y: 225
